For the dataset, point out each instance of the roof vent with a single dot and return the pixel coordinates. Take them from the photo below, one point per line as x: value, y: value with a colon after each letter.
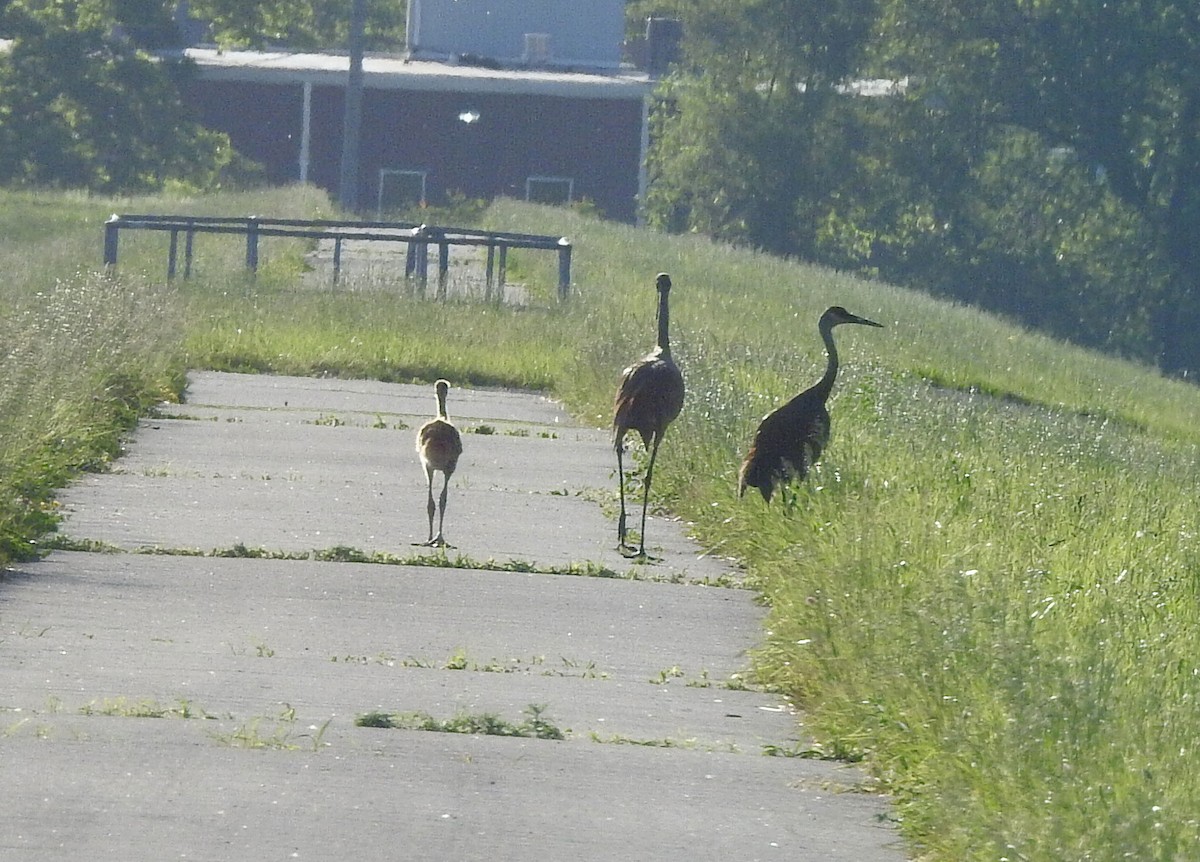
x: 537, y: 49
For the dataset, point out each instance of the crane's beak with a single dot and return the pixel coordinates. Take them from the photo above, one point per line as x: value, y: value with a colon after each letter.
x: 864, y: 321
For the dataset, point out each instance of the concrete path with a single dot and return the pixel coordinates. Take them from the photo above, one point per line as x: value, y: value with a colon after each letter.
x: 190, y: 684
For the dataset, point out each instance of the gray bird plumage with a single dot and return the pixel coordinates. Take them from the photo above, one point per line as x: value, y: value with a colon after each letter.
x: 790, y: 439
x: 648, y: 399
x: 440, y: 446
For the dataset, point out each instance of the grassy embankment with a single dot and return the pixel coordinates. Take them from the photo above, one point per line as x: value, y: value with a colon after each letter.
x: 82, y: 354
x: 988, y: 590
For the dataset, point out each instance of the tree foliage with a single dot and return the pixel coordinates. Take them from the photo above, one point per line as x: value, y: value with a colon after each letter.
x: 1042, y: 157
x: 1113, y: 86
x: 83, y: 105
x: 320, y: 25
x: 735, y: 155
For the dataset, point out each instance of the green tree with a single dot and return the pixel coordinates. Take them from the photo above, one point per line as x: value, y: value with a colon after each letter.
x: 311, y: 26
x: 1114, y: 85
x: 81, y: 105
x: 1042, y: 157
x: 744, y: 144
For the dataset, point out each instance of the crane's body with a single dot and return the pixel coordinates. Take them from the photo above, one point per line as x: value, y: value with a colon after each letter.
x: 789, y: 440
x: 649, y: 397
x: 439, y: 445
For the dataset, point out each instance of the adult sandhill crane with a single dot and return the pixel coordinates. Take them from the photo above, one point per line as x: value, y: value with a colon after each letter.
x: 439, y: 445
x: 790, y: 439
x: 649, y: 398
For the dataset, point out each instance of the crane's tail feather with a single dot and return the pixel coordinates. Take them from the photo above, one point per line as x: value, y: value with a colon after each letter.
x: 758, y: 473
x: 765, y: 472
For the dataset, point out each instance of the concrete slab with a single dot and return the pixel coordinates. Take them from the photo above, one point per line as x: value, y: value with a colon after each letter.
x: 369, y: 397
x: 166, y: 705
x: 244, y: 637
x: 174, y: 790
x: 333, y: 463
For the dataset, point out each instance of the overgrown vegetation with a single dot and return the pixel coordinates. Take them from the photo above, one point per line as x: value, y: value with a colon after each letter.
x: 987, y: 592
x: 999, y: 168
x: 84, y: 352
x: 988, y: 589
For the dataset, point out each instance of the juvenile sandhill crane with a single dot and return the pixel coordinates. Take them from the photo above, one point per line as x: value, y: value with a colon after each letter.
x: 789, y: 440
x: 649, y: 398
x: 439, y: 445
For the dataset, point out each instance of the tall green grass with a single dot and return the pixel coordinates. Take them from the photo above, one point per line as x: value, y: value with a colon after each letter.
x: 381, y: 335
x: 988, y: 590
x: 83, y: 352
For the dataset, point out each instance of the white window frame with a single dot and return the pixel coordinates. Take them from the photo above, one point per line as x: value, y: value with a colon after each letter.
x: 530, y: 182
x: 384, y: 173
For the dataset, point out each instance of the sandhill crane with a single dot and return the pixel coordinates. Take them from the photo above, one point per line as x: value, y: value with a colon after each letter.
x: 439, y: 445
x: 649, y: 398
x: 790, y: 439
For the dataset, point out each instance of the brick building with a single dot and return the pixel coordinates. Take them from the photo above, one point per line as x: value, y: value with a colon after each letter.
x: 523, y: 98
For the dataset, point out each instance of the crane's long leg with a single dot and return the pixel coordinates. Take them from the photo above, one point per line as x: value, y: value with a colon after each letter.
x: 430, y: 506
x: 646, y: 493
x: 440, y: 541
x: 621, y: 483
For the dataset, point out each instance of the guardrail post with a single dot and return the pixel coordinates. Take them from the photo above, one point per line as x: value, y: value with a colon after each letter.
x: 443, y: 264
x: 252, y: 244
x: 172, y: 254
x: 187, y: 249
x: 112, y: 229
x: 564, y: 268
x: 490, y: 281
x: 417, y: 239
x: 410, y: 260
x: 419, y: 248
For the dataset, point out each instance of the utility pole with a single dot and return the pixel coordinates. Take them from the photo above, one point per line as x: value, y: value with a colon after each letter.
x: 348, y: 187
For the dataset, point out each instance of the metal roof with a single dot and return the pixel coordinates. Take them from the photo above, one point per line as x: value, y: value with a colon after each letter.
x: 395, y: 73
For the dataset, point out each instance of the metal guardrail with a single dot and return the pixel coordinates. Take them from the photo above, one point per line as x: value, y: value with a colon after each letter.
x: 418, y: 237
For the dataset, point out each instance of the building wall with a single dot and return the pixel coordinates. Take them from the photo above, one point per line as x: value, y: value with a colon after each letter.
x: 594, y: 142
x: 263, y: 121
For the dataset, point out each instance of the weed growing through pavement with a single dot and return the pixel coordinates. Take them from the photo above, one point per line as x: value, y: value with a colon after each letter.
x: 735, y: 682
x: 691, y: 744
x: 460, y: 660
x: 144, y: 708
x: 534, y: 725
x: 380, y: 658
x: 667, y: 674
x: 435, y: 559
x: 277, y: 732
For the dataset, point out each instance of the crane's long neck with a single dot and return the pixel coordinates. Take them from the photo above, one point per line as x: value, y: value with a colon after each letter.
x: 825, y: 384
x: 441, y: 404
x: 664, y: 324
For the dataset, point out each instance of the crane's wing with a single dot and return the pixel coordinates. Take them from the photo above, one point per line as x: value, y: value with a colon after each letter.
x: 440, y: 445
x: 787, y: 443
x: 648, y: 398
